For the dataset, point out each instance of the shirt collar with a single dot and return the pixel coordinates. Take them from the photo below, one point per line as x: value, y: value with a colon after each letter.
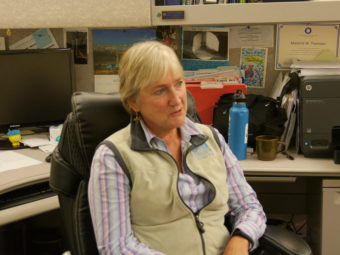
x: 188, y: 129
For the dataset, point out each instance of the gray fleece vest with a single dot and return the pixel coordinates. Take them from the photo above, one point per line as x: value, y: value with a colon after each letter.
x: 159, y: 217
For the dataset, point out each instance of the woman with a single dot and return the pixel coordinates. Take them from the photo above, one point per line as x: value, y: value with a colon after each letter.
x: 163, y: 184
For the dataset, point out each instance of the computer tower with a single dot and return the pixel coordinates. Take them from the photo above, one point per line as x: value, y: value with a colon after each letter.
x: 319, y: 105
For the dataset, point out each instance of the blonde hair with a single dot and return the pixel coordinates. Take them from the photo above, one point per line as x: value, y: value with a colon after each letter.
x: 144, y: 64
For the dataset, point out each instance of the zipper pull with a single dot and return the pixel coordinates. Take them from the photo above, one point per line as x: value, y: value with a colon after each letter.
x: 199, y: 224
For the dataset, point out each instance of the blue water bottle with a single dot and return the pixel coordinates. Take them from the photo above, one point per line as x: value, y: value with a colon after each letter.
x: 238, y: 126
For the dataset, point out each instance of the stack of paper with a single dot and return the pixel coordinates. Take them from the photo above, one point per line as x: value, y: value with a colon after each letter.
x: 316, y: 68
x: 289, y: 103
x: 12, y: 160
x: 40, y: 141
x: 228, y: 74
x: 279, y: 84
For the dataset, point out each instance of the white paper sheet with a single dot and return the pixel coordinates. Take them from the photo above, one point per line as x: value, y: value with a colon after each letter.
x: 315, y: 64
x: 106, y: 83
x: 252, y: 36
x: 12, y: 160
x: 40, y: 39
x: 48, y: 148
x: 279, y: 83
x: 32, y: 141
x: 319, y: 71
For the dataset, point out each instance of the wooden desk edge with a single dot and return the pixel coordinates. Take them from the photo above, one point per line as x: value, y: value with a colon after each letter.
x: 27, y: 210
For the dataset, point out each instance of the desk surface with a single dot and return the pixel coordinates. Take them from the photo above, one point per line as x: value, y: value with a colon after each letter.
x: 300, y: 166
x: 21, y: 177
x: 282, y: 166
x: 16, y: 178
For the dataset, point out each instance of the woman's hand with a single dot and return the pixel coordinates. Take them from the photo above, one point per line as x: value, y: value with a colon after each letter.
x: 237, y: 245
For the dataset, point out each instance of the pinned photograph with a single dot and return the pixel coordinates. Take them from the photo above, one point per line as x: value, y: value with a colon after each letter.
x: 110, y: 44
x: 77, y: 41
x: 205, y: 43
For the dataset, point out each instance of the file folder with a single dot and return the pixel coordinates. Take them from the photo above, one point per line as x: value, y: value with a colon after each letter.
x: 205, y: 98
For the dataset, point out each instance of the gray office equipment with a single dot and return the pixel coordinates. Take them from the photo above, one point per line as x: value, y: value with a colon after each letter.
x: 323, y: 220
x: 319, y: 107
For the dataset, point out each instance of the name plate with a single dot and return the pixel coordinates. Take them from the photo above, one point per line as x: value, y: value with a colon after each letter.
x: 171, y: 15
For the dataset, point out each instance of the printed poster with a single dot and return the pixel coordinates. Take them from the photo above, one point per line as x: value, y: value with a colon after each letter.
x: 108, y: 47
x: 253, y: 63
x: 110, y: 44
x: 205, y: 47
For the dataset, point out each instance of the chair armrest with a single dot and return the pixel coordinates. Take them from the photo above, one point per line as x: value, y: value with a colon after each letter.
x: 285, y: 241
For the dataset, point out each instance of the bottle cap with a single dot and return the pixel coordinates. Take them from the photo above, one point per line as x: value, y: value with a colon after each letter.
x: 239, y: 97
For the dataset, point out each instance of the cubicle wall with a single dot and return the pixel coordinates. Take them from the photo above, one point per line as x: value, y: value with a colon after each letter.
x: 85, y: 72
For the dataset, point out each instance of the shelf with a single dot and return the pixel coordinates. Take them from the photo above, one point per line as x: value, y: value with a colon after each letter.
x: 141, y: 13
x: 74, y: 14
x: 282, y: 12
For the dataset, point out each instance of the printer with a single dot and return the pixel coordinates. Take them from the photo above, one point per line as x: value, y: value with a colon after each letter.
x: 318, y: 114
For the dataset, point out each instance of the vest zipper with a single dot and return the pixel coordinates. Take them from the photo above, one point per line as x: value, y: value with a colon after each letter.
x: 201, y: 230
x: 199, y: 224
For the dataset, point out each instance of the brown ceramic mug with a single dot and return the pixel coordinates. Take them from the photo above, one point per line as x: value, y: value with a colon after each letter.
x: 267, y: 147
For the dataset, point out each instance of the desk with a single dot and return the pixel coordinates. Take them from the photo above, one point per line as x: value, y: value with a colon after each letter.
x: 280, y: 170
x: 21, y: 177
x: 282, y: 166
x: 303, y: 186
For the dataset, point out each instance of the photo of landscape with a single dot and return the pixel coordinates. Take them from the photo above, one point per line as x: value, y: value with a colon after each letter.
x: 110, y: 44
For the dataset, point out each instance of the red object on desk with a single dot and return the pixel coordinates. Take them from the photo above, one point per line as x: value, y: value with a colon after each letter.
x: 205, y: 98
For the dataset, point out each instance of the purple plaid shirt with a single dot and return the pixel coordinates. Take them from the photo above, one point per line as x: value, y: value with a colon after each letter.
x: 109, y: 192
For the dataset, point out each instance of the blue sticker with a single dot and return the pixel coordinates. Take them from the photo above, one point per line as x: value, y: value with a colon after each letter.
x: 42, y: 38
x: 202, y: 152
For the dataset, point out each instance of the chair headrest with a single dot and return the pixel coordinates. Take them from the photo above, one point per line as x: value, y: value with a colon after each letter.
x: 191, y: 108
x: 100, y: 115
x: 97, y: 117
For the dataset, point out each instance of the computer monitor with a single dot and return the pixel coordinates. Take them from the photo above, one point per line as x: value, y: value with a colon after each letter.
x: 35, y: 87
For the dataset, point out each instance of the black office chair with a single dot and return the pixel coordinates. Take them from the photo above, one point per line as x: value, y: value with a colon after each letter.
x: 93, y: 118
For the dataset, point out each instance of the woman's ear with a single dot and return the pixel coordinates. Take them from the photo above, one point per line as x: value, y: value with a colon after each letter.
x: 133, y: 105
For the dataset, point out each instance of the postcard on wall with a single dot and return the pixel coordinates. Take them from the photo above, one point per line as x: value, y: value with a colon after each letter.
x: 201, y: 43
x: 304, y: 42
x: 171, y: 36
x: 76, y: 39
x: 253, y: 62
x: 110, y: 44
x: 252, y: 36
x: 106, y: 83
x: 40, y: 39
x: 2, y: 43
